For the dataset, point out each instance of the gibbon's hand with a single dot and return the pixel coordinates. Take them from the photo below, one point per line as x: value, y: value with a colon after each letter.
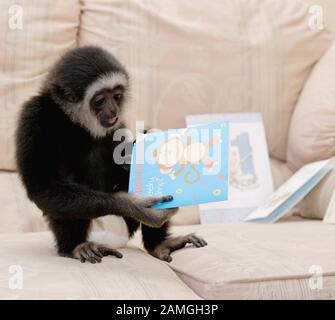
x: 140, y: 209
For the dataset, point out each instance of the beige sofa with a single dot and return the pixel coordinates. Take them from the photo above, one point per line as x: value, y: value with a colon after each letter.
x: 184, y: 57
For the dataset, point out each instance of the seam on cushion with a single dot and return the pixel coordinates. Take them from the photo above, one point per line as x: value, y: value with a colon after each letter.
x: 210, y: 288
x: 216, y: 283
x: 291, y: 277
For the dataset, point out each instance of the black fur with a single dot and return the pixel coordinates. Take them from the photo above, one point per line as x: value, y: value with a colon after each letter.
x: 71, y: 76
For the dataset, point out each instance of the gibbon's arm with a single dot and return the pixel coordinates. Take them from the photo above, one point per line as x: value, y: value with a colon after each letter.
x: 73, y: 200
x: 69, y: 200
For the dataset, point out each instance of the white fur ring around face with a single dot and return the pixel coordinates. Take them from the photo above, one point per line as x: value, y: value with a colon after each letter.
x: 110, y: 231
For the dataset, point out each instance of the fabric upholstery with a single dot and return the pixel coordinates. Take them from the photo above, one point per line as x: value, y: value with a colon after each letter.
x: 257, y: 261
x: 18, y: 214
x: 328, y: 12
x: 49, y: 28
x: 315, y: 205
x: 186, y: 57
x: 241, y: 261
x: 280, y: 172
x: 48, y: 276
x: 312, y: 130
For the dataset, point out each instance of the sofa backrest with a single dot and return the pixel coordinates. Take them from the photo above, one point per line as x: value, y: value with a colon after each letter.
x: 33, y: 35
x: 188, y: 57
x: 184, y: 57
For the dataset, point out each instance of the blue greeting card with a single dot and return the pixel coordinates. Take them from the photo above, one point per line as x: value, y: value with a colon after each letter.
x: 190, y: 164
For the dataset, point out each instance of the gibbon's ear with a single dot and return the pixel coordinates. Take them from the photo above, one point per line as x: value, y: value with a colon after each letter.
x: 64, y: 94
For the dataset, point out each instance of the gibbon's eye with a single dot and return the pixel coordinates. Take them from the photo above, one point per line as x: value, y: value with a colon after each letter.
x: 99, y: 101
x: 118, y: 97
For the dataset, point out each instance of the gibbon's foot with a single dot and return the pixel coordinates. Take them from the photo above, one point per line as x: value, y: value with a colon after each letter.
x: 93, y: 252
x: 163, y: 251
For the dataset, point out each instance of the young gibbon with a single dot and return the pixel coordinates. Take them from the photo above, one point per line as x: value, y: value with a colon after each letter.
x: 64, y: 153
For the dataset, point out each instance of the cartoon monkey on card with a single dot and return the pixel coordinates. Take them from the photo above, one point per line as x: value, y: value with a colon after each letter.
x: 174, y: 156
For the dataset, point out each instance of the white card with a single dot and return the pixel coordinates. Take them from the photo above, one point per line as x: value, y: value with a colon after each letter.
x: 291, y: 192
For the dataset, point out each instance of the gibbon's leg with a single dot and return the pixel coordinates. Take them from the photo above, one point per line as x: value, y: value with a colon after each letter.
x: 71, y: 241
x: 132, y: 226
x: 159, y: 243
x: 69, y: 233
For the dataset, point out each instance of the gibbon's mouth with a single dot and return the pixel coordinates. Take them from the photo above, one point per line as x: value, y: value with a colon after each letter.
x: 109, y: 122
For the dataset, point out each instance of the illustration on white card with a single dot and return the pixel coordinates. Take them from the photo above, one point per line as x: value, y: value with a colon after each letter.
x: 242, y: 174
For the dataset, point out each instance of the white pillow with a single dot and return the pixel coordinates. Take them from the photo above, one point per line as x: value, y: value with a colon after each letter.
x: 312, y: 130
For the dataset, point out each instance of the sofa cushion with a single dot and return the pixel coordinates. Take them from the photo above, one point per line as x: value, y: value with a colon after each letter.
x: 48, y: 276
x: 28, y: 49
x: 315, y: 204
x: 257, y: 261
x: 18, y: 214
x: 280, y: 172
x: 187, y: 58
x: 312, y: 130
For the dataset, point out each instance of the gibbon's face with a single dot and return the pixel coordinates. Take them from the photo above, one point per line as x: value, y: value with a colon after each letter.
x: 90, y: 86
x: 106, y: 105
x: 102, y: 107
